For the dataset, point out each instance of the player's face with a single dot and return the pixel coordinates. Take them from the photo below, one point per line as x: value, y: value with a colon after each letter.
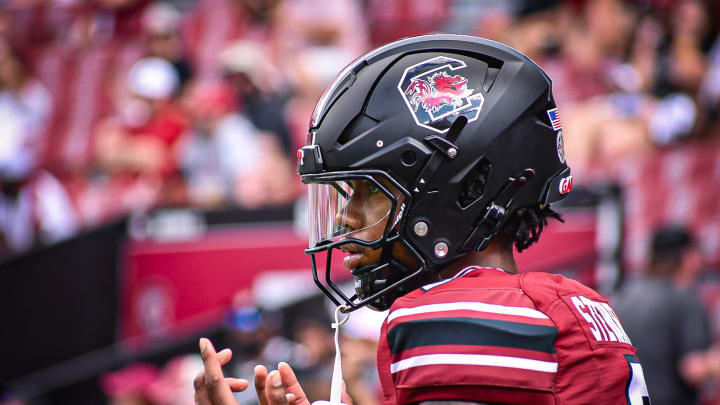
x: 354, y: 209
x: 365, y: 218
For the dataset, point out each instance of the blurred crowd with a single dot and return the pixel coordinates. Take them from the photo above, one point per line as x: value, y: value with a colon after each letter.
x: 113, y: 106
x: 300, y: 336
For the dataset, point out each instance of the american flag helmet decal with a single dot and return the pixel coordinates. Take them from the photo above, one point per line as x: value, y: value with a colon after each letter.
x: 554, y: 119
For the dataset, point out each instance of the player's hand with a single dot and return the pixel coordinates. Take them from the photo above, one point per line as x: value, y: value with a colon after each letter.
x: 211, y: 387
x: 281, y: 387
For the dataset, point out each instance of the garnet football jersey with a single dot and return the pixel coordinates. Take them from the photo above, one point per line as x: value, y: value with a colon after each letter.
x: 490, y: 336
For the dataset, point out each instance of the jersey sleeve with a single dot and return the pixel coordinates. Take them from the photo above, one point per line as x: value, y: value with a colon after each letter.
x: 597, y: 361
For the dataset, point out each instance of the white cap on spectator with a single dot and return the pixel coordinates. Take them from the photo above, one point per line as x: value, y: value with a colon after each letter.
x: 153, y: 78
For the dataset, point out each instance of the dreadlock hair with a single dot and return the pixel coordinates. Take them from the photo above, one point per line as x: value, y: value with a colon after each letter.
x: 525, y: 225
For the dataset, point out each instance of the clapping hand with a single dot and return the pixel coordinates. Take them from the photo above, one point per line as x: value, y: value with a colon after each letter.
x: 279, y: 387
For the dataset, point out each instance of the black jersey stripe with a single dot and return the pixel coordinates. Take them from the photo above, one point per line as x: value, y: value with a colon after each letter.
x: 471, y: 331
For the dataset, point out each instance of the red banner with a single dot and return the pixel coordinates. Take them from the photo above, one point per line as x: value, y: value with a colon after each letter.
x: 175, y: 288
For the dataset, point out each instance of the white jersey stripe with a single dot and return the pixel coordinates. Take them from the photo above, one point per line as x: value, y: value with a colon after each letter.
x: 468, y: 306
x: 475, y: 360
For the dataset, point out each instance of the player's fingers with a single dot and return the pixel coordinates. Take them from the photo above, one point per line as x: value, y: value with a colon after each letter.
x: 225, y: 356
x: 344, y: 397
x: 217, y: 389
x: 291, y: 383
x: 290, y: 398
x: 261, y: 374
x: 275, y: 390
x: 201, y: 395
x: 236, y: 384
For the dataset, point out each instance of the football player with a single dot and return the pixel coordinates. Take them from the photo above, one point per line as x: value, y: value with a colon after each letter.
x: 427, y: 160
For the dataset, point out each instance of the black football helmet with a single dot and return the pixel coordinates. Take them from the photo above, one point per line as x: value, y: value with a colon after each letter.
x: 449, y: 134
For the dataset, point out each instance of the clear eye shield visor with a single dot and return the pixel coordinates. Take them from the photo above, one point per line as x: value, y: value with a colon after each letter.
x: 346, y: 206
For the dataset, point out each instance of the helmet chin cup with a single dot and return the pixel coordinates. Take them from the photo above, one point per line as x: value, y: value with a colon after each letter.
x: 376, y: 285
x: 371, y: 278
x: 390, y: 277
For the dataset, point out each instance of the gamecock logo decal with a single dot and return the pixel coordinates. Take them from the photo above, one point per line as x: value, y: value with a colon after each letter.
x: 436, y: 93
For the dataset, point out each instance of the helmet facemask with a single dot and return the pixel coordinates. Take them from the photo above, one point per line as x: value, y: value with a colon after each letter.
x: 359, y: 213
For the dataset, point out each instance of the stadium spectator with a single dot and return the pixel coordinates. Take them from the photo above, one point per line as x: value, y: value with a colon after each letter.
x: 34, y: 209
x: 306, y: 24
x: 314, y: 336
x: 148, y: 124
x: 313, y: 69
x: 314, y: 41
x: 161, y: 34
x: 226, y: 158
x: 262, y: 89
x: 255, y: 336
x: 359, y: 343
x: 681, y: 59
x: 74, y: 24
x: 137, y: 147
x: 213, y: 24
x: 390, y: 20
x: 24, y: 108
x: 666, y: 321
x: 34, y: 206
x: 220, y: 147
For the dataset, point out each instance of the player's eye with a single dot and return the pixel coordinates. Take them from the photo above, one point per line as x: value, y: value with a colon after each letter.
x: 372, y: 188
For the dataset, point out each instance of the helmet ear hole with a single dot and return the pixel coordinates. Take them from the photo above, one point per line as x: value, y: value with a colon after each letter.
x: 473, y: 185
x: 408, y: 158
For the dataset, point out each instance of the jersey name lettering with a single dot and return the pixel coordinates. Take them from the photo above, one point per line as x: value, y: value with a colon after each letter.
x: 603, y: 322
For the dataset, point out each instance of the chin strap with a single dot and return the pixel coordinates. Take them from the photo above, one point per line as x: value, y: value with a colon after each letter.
x: 496, y: 212
x: 337, y: 379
